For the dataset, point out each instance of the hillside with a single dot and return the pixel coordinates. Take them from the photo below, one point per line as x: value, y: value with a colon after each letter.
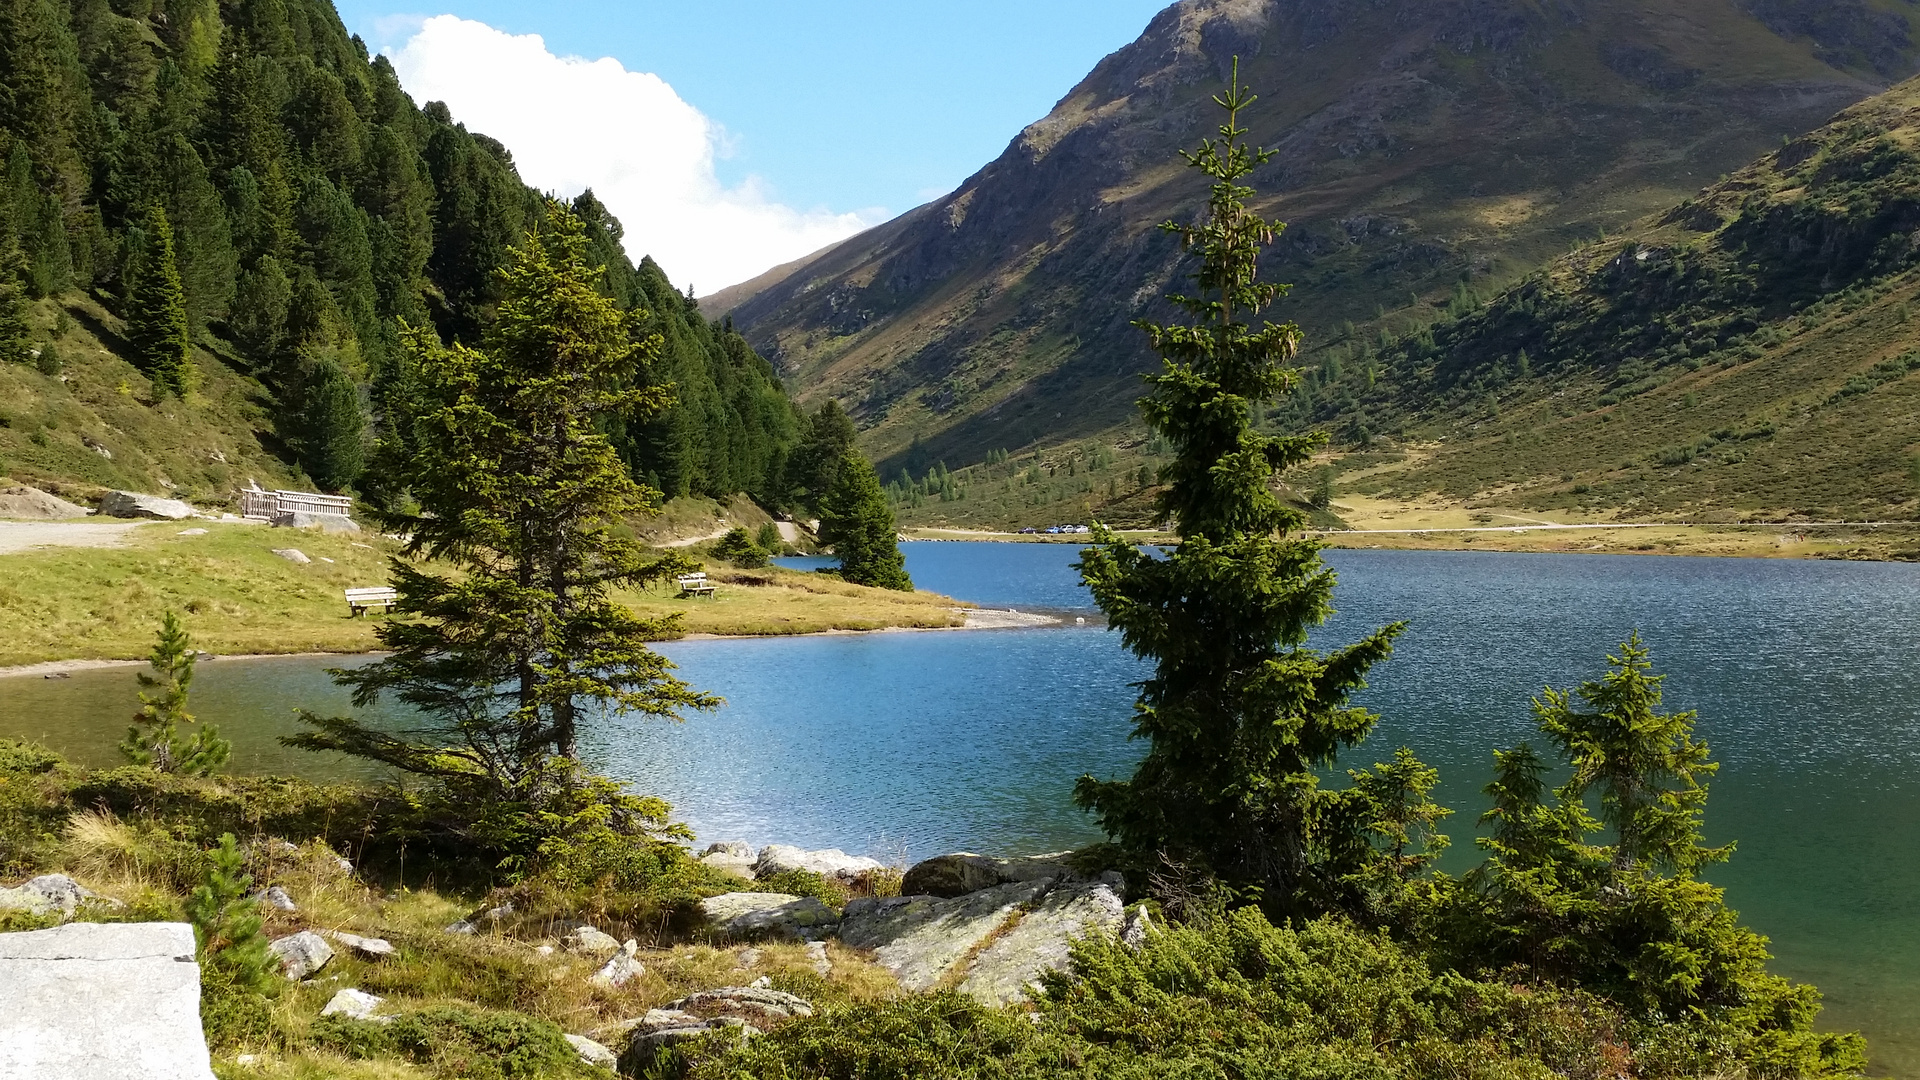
x: 312, y: 208
x: 1425, y: 148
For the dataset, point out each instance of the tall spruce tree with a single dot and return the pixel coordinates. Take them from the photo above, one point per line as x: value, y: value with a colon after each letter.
x: 1239, y: 715
x: 857, y: 522
x: 156, y: 313
x: 522, y: 496
x: 335, y: 443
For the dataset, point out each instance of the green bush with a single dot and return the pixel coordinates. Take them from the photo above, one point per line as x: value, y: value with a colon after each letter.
x: 740, y: 549
x: 460, y: 1041
x: 805, y: 883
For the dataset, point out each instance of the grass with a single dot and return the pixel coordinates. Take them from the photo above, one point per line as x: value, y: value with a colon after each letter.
x: 237, y: 597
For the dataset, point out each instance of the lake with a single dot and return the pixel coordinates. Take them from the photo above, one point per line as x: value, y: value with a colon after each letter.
x: 907, y: 744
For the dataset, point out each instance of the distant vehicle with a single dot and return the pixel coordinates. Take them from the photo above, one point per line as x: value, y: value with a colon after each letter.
x: 1029, y: 531
x: 1053, y: 530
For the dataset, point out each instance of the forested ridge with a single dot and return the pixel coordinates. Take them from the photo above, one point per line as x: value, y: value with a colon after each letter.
x: 244, y: 185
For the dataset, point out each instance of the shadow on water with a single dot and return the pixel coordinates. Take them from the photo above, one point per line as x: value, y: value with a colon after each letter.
x: 907, y: 744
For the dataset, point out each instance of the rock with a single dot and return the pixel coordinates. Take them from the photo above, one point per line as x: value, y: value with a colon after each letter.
x: 749, y: 957
x: 21, y: 501
x: 778, y: 915
x: 292, y: 555
x: 301, y: 519
x: 817, y: 956
x: 645, y: 1046
x: 831, y: 862
x: 619, y: 970
x: 922, y: 938
x: 731, y: 857
x: 47, y: 894
x: 102, y: 1001
x: 963, y: 872
x: 472, y: 924
x: 764, y: 982
x: 589, y: 941
x: 193, y: 532
x: 301, y: 954
x: 737, y: 848
x: 748, y: 1003
x: 366, y: 948
x: 277, y: 897
x: 132, y: 504
x: 1040, y: 941
x: 352, y: 1004
x: 1136, y: 927
x: 592, y: 1053
x: 461, y: 927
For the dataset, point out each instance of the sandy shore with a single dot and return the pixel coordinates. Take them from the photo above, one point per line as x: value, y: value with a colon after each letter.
x: 50, y: 668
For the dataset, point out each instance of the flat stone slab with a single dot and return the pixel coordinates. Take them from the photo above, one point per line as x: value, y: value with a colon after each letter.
x: 99, y: 1001
x: 760, y: 914
x: 1041, y: 940
x: 133, y: 504
x: 923, y: 938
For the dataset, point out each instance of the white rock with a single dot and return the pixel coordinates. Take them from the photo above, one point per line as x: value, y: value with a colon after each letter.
x: 1005, y: 970
x: 366, y: 948
x: 589, y: 941
x: 292, y: 555
x: 830, y: 862
x: 102, y: 1001
x: 817, y: 956
x: 543, y: 950
x: 301, y: 954
x: 619, y: 970
x: 592, y: 1053
x: 1138, y: 924
x: 764, y: 982
x: 47, y: 894
x: 132, y: 504
x: 352, y: 1004
x: 301, y: 519
x: 461, y: 927
x: 277, y: 897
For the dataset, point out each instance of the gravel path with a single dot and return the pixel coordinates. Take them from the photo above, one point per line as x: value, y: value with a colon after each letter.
x: 26, y: 535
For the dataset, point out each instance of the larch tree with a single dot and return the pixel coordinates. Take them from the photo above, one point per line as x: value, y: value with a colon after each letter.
x: 1239, y: 715
x: 156, y: 312
x: 517, y: 544
x: 857, y: 522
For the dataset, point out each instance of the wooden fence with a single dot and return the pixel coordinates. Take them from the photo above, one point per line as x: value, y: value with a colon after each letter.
x: 264, y: 505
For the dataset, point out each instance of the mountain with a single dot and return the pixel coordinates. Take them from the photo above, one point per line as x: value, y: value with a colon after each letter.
x: 1428, y: 149
x: 313, y: 206
x: 1750, y: 354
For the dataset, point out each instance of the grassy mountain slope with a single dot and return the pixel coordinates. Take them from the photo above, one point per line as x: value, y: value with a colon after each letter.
x: 1751, y: 353
x: 1423, y: 145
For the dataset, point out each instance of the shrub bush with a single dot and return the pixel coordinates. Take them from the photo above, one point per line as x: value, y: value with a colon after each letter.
x: 460, y: 1041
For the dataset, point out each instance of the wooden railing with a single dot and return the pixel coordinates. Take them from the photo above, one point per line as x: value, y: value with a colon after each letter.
x: 265, y: 504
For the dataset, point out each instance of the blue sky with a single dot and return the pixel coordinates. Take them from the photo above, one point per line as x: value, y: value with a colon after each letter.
x: 844, y: 113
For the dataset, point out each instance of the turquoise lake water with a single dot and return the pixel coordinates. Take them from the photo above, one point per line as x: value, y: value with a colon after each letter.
x: 907, y: 744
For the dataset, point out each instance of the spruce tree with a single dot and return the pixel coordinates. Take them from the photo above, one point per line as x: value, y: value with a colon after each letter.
x: 155, y: 737
x: 335, y: 444
x: 16, y: 332
x: 857, y: 522
x: 522, y: 498
x: 1239, y: 716
x: 156, y: 313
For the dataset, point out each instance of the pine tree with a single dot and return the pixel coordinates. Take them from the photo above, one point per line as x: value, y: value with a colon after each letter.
x: 857, y: 522
x: 1239, y: 715
x: 16, y: 332
x: 815, y: 462
x: 154, y: 739
x: 335, y: 446
x: 227, y: 925
x: 520, y: 491
x: 156, y: 309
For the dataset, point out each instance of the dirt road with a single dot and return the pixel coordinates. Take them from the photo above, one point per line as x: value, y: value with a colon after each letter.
x: 27, y: 535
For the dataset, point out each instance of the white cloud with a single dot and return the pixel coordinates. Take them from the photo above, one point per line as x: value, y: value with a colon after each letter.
x: 573, y: 123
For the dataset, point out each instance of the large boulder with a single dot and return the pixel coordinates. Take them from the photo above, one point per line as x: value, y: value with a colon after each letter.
x: 923, y: 939
x: 302, y: 519
x: 32, y: 504
x: 47, y: 894
x: 731, y: 857
x: 831, y: 862
x: 301, y: 954
x: 1039, y: 942
x: 756, y: 1005
x: 768, y: 915
x: 963, y: 872
x: 132, y: 504
x: 587, y: 941
x: 102, y: 1001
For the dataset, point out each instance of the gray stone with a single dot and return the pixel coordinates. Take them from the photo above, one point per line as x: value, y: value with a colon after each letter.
x: 817, y: 956
x: 642, y: 1051
x: 353, y: 1004
x: 102, y: 1001
x: 588, y: 941
x: 592, y: 1053
x: 462, y: 927
x: 1041, y: 941
x: 749, y: 957
x: 277, y: 897
x: 776, y: 915
x: 301, y: 954
x: 731, y: 857
x: 47, y: 894
x: 293, y: 555
x: 831, y: 862
x: 1137, y: 926
x: 922, y: 938
x: 619, y: 970
x: 737, y: 848
x: 366, y: 948
x: 302, y: 519
x: 963, y: 872
x: 132, y: 504
x: 20, y: 501
x: 746, y: 1003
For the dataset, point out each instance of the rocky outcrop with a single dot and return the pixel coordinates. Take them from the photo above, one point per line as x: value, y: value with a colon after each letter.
x: 731, y: 857
x: 832, y: 862
x: 750, y: 915
x: 923, y: 939
x: 31, y: 504
x: 98, y: 1001
x: 49, y: 894
x: 1039, y: 940
x: 592, y: 1053
x: 587, y: 941
x: 132, y: 504
x: 301, y: 954
x: 964, y: 872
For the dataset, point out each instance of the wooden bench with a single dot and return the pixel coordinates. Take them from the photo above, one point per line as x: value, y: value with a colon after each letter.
x: 694, y: 584
x: 361, y: 601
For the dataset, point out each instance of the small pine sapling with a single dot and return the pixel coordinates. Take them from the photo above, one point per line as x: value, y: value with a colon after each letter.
x: 227, y: 925
x: 154, y: 738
